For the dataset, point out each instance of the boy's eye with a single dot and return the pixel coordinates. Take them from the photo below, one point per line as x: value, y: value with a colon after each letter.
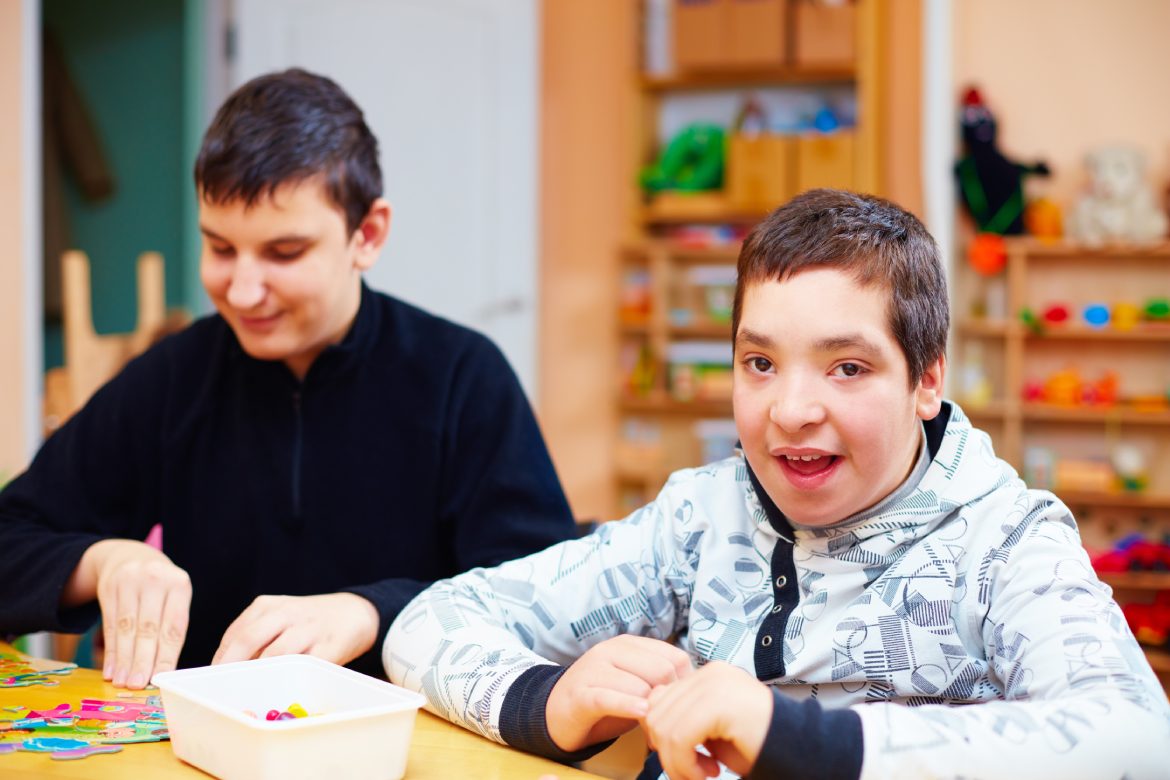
x: 849, y: 370
x: 760, y: 364
x: 221, y: 251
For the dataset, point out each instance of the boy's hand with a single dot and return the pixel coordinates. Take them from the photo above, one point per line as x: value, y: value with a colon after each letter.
x: 603, y: 694
x: 145, y: 601
x: 335, y: 626
x: 721, y: 707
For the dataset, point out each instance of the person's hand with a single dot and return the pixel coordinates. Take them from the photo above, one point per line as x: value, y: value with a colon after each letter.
x: 603, y: 693
x: 335, y: 626
x: 145, y: 601
x: 721, y: 707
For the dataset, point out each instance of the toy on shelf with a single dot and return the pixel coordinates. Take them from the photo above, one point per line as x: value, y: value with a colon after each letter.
x: 1133, y: 552
x: 1043, y: 219
x: 1120, y: 205
x: 1158, y: 310
x: 691, y: 162
x: 1066, y: 388
x: 1096, y: 315
x: 1126, y: 316
x: 991, y: 185
x: 1129, y: 466
x: 1056, y: 314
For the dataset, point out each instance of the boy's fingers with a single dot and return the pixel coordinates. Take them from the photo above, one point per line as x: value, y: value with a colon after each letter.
x: 608, y: 702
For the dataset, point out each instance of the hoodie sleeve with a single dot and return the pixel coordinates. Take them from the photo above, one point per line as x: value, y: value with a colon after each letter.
x: 1080, y: 699
x: 486, y: 647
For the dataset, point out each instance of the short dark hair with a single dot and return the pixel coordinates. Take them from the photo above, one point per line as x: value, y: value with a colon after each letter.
x: 286, y: 127
x: 877, y: 241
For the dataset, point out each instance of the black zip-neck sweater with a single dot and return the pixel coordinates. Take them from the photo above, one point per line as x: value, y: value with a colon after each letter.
x: 407, y: 454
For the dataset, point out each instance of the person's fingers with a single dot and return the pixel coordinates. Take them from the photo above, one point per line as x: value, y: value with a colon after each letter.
x: 125, y: 629
x: 175, y: 617
x: 608, y: 702
x: 108, y: 603
x: 250, y: 633
x: 291, y: 641
x: 655, y: 661
x: 147, y: 625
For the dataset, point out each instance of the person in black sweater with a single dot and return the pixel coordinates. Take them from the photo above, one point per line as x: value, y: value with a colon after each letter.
x: 316, y: 452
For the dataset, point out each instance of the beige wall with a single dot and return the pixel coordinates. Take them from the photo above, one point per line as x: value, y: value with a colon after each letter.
x: 14, y: 340
x: 587, y: 153
x: 1064, y: 76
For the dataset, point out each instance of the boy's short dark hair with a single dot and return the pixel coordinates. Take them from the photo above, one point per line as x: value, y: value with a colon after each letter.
x: 875, y: 240
x: 285, y: 127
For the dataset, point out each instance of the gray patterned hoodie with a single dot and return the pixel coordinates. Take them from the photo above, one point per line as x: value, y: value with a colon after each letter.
x: 961, y: 587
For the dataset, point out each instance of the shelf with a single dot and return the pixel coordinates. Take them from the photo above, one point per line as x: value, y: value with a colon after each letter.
x: 1113, y: 414
x: 1068, y: 251
x: 702, y: 207
x: 1156, y: 332
x: 683, y: 253
x: 666, y: 405
x: 995, y: 410
x: 748, y: 77
x: 1159, y: 659
x: 1136, y: 580
x: 1116, y: 500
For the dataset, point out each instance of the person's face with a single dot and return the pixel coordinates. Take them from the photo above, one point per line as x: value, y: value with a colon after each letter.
x: 822, y: 401
x: 284, y: 272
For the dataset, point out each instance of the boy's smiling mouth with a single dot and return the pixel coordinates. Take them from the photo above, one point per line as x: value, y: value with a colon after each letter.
x: 807, y: 470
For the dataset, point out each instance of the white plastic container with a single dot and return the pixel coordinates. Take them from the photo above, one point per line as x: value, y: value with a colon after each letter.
x: 359, y: 727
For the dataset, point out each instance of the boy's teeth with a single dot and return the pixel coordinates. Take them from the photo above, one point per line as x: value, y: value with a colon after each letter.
x: 803, y: 457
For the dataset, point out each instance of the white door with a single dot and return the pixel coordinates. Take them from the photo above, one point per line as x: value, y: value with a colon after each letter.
x: 449, y: 88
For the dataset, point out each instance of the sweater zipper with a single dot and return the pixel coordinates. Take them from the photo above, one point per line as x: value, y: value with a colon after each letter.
x: 297, y: 445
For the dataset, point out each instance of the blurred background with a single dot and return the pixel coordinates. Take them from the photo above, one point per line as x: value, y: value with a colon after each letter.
x: 573, y: 177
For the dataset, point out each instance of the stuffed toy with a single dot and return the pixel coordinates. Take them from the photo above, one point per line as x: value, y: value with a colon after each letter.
x: 1120, y: 205
x: 990, y: 184
x: 692, y: 161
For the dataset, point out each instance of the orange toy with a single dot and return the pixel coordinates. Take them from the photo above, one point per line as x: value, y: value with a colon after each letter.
x: 1063, y: 388
x: 987, y: 254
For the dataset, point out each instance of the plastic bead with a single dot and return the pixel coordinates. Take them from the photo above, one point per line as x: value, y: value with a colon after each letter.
x: 272, y: 715
x: 297, y: 710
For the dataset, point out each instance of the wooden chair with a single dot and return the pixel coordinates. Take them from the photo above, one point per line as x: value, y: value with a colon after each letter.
x: 92, y: 359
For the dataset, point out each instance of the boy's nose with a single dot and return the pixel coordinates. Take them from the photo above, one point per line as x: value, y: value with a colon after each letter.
x: 246, y: 286
x: 796, y: 407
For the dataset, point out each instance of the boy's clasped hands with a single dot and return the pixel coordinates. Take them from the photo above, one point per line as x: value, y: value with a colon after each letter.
x: 630, y: 680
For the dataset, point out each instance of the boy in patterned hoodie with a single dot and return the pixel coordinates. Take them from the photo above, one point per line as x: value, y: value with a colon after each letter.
x: 818, y: 604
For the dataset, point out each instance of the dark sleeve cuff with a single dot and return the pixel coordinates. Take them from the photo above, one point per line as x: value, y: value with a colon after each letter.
x: 523, y: 723
x: 807, y: 740
x: 389, y: 597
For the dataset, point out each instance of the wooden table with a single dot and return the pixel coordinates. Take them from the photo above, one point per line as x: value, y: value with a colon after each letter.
x: 438, y: 750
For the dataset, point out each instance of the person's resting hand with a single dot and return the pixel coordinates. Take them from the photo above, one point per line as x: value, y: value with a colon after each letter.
x: 335, y: 626
x: 145, y: 601
x: 603, y: 693
x: 721, y: 707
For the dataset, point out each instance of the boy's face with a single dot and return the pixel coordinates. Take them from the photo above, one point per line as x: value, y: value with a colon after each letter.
x: 822, y: 401
x: 284, y: 272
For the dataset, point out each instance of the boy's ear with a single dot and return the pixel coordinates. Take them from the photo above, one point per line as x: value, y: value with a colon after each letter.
x: 371, y: 234
x: 929, y: 392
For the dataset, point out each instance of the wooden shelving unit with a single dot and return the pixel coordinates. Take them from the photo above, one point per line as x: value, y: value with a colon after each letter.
x: 1039, y: 275
x: 658, y: 422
